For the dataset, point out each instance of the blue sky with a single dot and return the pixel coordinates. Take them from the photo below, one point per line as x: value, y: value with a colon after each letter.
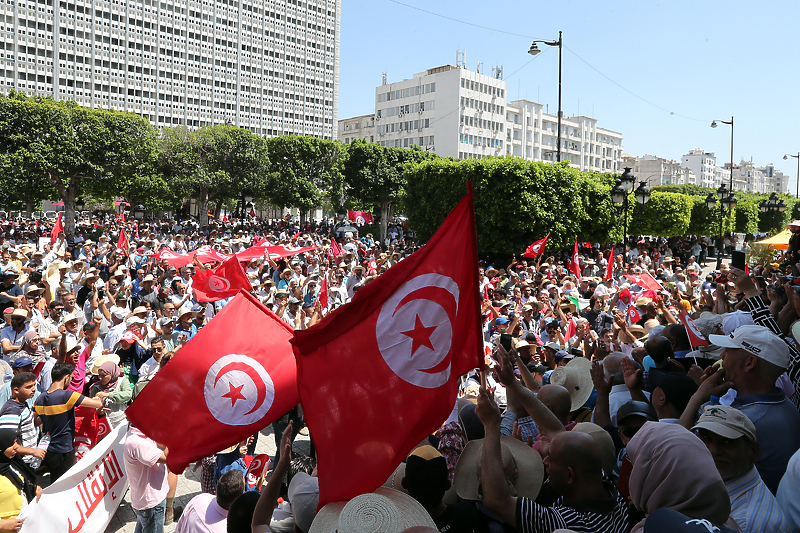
x: 698, y: 61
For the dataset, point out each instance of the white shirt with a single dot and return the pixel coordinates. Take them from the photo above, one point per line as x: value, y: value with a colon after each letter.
x: 149, y: 369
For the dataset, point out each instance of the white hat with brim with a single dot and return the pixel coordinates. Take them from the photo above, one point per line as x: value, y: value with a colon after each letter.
x: 67, y: 317
x: 114, y: 358
x: 758, y: 341
x: 385, y: 510
x: 516, y: 456
x: 576, y: 377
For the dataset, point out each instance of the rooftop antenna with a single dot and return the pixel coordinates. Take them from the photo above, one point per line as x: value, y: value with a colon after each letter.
x: 479, y: 67
x: 384, y: 79
x: 497, y: 72
x: 461, y: 58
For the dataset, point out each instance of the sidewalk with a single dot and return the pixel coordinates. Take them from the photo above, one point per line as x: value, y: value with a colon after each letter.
x: 189, y: 485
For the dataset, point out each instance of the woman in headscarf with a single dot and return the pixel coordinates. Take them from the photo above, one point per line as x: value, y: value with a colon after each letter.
x: 672, y: 468
x: 32, y: 347
x: 17, y: 482
x: 119, y: 391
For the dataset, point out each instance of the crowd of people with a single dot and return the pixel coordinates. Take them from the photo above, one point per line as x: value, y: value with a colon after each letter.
x: 598, y: 411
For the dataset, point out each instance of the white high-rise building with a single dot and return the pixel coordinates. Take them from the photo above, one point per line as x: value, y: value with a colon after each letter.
x: 463, y: 114
x: 450, y: 110
x: 703, y: 165
x: 271, y: 66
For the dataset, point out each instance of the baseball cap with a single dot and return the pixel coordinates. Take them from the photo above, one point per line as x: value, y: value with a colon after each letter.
x: 731, y: 321
x: 501, y: 320
x: 128, y: 336
x: 121, y: 312
x: 757, y: 340
x: 164, y: 320
x: 21, y: 362
x: 677, y: 387
x: 553, y: 346
x: 636, y: 408
x: 304, y: 498
x: 562, y: 355
x: 727, y: 422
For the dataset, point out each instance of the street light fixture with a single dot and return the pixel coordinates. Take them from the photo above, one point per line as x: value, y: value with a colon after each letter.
x: 727, y: 202
x: 534, y: 50
x: 642, y: 193
x: 797, y: 190
x: 138, y: 212
x: 619, y: 195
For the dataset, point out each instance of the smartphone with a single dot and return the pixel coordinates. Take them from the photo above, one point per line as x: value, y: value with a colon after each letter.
x: 738, y: 259
x: 505, y: 341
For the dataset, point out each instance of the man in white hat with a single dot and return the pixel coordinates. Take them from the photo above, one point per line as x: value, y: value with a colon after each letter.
x: 731, y: 438
x: 11, y: 336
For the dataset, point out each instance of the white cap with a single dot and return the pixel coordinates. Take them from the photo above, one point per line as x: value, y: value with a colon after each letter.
x: 731, y: 321
x: 757, y: 340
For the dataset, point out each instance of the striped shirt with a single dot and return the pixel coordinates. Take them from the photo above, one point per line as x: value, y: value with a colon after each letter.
x: 753, y: 506
x: 583, y: 516
x: 19, y: 417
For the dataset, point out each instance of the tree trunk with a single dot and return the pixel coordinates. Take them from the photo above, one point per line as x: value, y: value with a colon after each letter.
x: 217, y: 210
x: 69, y: 214
x: 384, y: 220
x: 202, y: 208
x: 28, y: 208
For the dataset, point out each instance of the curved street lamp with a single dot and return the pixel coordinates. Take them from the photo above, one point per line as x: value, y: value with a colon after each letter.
x: 619, y: 195
x: 534, y: 50
x: 797, y: 181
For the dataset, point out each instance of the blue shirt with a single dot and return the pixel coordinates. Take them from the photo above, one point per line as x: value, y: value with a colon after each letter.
x: 777, y: 423
x: 753, y: 506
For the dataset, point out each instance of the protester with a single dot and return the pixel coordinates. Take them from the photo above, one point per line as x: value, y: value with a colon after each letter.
x: 147, y: 475
x: 206, y: 513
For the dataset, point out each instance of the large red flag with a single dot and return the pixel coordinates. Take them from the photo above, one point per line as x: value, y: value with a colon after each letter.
x: 650, y: 287
x: 122, y: 241
x: 275, y: 252
x: 573, y: 265
x: 379, y: 374
x: 696, y: 338
x: 609, y: 267
x: 58, y: 227
x: 232, y: 379
x: 335, y: 250
x: 220, y: 283
x: 537, y: 248
x: 322, y: 295
x: 359, y: 217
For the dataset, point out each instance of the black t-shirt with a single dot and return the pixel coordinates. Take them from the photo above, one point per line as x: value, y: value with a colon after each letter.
x: 462, y: 517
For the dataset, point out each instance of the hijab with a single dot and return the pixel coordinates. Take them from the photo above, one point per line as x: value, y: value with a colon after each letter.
x: 30, y: 350
x: 13, y: 468
x: 673, y: 468
x: 112, y: 369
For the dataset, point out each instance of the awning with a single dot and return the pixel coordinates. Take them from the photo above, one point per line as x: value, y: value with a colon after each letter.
x: 779, y: 241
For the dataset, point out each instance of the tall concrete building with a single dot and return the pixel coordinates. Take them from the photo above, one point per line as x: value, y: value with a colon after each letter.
x: 271, y: 66
x: 466, y: 115
x: 703, y: 165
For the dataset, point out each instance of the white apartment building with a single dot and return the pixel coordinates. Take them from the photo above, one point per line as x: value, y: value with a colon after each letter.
x: 361, y: 127
x: 271, y: 66
x: 463, y: 114
x: 703, y: 165
x: 533, y: 134
x: 654, y: 170
x: 450, y: 110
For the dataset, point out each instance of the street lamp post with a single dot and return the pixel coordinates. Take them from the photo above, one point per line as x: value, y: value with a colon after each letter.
x: 534, y: 50
x: 619, y: 195
x: 138, y: 212
x: 727, y: 202
x: 772, y: 206
x: 787, y: 156
x: 714, y: 125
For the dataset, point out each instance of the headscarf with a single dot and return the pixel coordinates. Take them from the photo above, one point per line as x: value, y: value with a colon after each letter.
x: 30, y: 350
x: 673, y: 468
x: 13, y: 468
x: 112, y: 369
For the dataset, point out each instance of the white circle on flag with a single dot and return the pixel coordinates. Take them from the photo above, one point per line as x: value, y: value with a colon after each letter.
x: 693, y: 327
x: 360, y: 220
x: 102, y: 431
x: 238, y: 390
x: 218, y: 283
x: 537, y: 247
x: 415, y: 334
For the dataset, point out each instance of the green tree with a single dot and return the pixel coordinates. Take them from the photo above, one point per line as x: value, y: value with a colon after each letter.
x: 374, y: 177
x: 304, y: 172
x: 75, y: 150
x: 212, y: 163
x: 666, y: 214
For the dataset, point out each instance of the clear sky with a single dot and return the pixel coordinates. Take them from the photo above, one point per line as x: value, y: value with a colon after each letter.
x: 692, y: 61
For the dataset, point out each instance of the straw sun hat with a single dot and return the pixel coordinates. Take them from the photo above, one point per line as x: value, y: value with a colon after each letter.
x: 382, y: 511
x: 576, y: 377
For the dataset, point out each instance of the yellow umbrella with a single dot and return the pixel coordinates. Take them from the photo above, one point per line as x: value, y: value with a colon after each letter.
x: 778, y: 242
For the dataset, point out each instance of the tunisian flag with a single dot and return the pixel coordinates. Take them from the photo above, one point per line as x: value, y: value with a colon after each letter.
x: 58, y: 227
x: 696, y: 338
x: 359, y: 217
x: 232, y: 379
x: 609, y: 267
x: 220, y: 283
x: 573, y: 265
x: 379, y: 374
x: 122, y: 242
x: 537, y: 248
x: 335, y: 250
x: 650, y: 287
x: 633, y: 314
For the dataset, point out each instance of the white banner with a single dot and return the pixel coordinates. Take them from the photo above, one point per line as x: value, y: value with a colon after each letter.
x: 87, y: 496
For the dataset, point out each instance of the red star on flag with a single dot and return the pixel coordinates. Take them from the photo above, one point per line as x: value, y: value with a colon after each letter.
x: 235, y: 394
x: 420, y: 335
